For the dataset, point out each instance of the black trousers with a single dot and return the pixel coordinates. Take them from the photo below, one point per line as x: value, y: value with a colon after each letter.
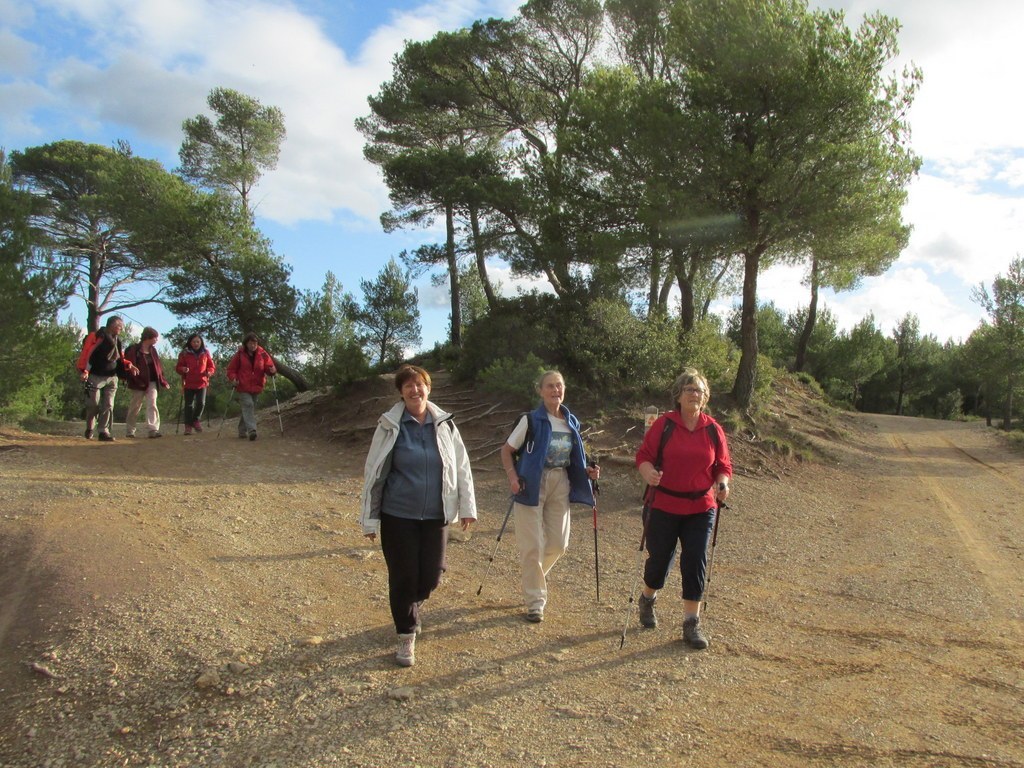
x: 693, y: 532
x: 415, y: 552
x: 195, y: 404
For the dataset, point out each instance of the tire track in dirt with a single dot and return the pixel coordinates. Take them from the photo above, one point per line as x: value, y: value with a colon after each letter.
x: 1001, y: 578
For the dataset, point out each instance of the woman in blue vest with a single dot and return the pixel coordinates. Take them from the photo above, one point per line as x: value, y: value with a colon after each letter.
x: 551, y: 472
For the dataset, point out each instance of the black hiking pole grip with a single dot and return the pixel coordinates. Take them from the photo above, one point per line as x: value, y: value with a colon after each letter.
x: 501, y: 532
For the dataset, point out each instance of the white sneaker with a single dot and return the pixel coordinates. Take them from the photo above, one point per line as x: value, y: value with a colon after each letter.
x: 406, y: 654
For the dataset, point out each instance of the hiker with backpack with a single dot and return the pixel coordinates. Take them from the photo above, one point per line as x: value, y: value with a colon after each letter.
x: 546, y: 467
x: 248, y: 371
x: 196, y: 368
x: 684, y: 459
x: 417, y: 482
x: 144, y: 383
x: 100, y: 364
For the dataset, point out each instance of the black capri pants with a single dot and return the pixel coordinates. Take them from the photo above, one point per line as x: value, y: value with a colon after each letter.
x: 693, y: 532
x: 415, y: 552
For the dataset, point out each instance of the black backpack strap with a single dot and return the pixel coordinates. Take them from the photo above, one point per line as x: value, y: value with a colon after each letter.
x: 666, y: 433
x: 713, y: 434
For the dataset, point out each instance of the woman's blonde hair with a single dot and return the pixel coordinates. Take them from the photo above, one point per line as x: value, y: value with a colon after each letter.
x: 690, y: 377
x: 544, y: 376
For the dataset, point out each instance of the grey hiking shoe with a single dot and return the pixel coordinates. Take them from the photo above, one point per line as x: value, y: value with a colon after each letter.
x: 406, y: 653
x: 648, y: 617
x: 693, y: 635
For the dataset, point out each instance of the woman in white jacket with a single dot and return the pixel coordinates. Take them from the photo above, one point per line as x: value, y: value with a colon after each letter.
x: 417, y: 481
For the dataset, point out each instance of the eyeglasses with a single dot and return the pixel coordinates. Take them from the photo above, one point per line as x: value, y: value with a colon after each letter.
x: 693, y: 390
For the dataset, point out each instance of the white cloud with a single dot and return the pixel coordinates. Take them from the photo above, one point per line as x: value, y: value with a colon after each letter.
x: 131, y: 91
x: 1013, y: 173
x: 16, y: 13
x: 17, y: 102
x: 958, y: 230
x: 903, y: 291
x: 18, y: 57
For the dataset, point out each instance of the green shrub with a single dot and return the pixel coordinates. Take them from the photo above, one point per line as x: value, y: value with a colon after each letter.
x: 513, y: 379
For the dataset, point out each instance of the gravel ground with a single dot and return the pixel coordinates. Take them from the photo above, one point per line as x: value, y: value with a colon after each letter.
x: 210, y: 601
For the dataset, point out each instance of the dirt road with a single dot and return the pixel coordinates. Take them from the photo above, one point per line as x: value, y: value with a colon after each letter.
x: 204, y: 601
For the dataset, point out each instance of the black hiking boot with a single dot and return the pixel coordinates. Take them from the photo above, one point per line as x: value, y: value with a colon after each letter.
x: 648, y: 617
x: 693, y: 635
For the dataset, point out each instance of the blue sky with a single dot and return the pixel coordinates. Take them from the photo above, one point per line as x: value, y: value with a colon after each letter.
x: 103, y: 70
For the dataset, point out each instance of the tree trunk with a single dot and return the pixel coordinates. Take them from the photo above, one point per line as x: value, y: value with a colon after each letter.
x: 301, y: 385
x: 654, y: 282
x: 684, y: 280
x: 746, y: 372
x: 1008, y: 405
x: 481, y: 260
x: 453, y: 275
x: 92, y: 297
x: 812, y: 317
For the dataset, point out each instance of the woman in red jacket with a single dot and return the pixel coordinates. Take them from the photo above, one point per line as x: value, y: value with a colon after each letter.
x: 196, y: 368
x: 248, y: 371
x: 687, y: 476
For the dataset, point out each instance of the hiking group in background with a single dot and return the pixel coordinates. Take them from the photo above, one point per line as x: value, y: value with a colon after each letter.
x: 103, y: 361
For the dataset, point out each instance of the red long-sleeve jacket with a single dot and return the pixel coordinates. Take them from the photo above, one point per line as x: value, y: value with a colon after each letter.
x: 249, y: 372
x: 690, y: 463
x: 200, y: 368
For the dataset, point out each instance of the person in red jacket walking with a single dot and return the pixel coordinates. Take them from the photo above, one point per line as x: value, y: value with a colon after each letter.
x: 248, y: 371
x: 144, y: 383
x: 196, y: 368
x: 687, y: 475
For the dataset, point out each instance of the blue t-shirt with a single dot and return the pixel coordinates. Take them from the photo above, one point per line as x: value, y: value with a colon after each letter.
x: 412, y: 489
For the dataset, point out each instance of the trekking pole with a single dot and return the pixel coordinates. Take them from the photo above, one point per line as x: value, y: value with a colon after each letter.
x: 278, y: 402
x: 639, y: 571
x: 511, y: 504
x: 181, y: 406
x: 225, y: 416
x: 596, y: 489
x: 711, y: 559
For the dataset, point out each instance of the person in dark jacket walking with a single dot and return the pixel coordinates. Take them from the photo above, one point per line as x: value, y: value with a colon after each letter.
x: 100, y: 364
x: 145, y: 383
x: 196, y: 368
x: 248, y: 371
x: 551, y: 472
